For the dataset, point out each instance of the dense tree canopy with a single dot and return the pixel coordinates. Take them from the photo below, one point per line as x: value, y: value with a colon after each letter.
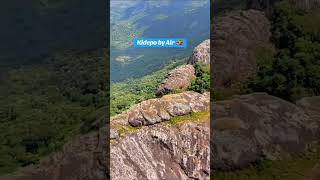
x: 44, y: 105
x: 294, y: 71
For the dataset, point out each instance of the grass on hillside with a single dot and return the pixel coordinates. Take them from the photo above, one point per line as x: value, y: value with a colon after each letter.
x: 43, y: 106
x: 125, y: 94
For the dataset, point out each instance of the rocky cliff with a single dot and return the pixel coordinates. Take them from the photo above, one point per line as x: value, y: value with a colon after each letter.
x: 245, y: 130
x: 171, y: 141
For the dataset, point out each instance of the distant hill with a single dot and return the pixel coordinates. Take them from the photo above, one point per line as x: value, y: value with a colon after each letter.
x: 129, y: 19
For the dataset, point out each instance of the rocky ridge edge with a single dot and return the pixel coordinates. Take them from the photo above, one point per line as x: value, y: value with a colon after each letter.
x: 157, y: 110
x: 180, y: 78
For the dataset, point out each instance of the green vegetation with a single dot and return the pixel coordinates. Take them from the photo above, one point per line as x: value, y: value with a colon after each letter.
x: 221, y: 7
x: 143, y: 19
x: 202, y: 81
x: 290, y: 72
x: 42, y: 106
x: 294, y: 71
x: 125, y: 94
x: 128, y: 129
x: 300, y: 168
x: 195, y: 117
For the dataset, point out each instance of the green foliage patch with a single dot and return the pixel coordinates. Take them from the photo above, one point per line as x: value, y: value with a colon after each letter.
x: 202, y: 81
x: 195, y: 117
x: 294, y: 71
x: 42, y: 106
x: 126, y: 94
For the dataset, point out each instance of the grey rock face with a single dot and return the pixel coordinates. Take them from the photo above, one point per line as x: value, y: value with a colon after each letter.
x: 258, y: 126
x: 201, y: 53
x: 153, y: 111
x: 162, y: 152
x: 236, y: 38
x: 179, y: 79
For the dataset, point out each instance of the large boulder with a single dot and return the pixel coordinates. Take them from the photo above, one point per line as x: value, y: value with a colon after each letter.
x: 179, y: 79
x: 237, y: 38
x: 153, y: 111
x: 201, y: 53
x: 255, y: 127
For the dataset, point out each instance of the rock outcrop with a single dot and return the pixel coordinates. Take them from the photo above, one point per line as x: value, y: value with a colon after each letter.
x: 179, y: 79
x: 163, y: 152
x: 236, y: 39
x: 254, y: 127
x: 153, y: 111
x: 245, y: 130
x: 201, y: 53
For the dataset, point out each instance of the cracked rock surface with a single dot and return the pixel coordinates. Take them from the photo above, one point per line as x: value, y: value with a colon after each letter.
x: 153, y: 111
x: 255, y: 127
x: 163, y: 152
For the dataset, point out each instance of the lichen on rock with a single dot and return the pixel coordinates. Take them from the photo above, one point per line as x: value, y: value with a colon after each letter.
x: 179, y: 79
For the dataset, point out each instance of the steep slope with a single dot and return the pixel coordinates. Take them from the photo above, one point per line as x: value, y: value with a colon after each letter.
x: 180, y: 78
x: 201, y: 53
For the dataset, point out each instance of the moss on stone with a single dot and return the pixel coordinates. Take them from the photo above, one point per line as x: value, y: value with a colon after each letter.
x: 128, y: 129
x: 194, y: 117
